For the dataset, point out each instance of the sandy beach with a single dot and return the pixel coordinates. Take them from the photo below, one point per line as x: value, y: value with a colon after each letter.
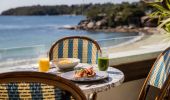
x: 154, y: 41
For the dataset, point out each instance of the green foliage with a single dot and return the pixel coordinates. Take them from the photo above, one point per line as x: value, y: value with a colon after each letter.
x: 115, y: 14
x: 43, y: 10
x: 118, y: 14
x: 93, y: 12
x: 163, y: 13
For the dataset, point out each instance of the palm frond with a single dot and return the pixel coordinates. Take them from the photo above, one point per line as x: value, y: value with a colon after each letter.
x: 168, y: 4
x: 163, y: 22
x: 158, y: 6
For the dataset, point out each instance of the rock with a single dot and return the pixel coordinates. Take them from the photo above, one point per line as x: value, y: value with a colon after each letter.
x: 90, y: 25
x: 68, y: 27
x: 125, y: 26
x: 98, y: 23
x: 84, y: 22
x: 118, y: 27
x: 101, y: 22
x: 131, y: 26
x: 146, y: 28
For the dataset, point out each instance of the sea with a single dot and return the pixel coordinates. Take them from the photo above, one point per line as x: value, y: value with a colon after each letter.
x: 26, y: 37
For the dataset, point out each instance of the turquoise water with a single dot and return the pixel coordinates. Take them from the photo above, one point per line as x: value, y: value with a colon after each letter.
x: 30, y: 36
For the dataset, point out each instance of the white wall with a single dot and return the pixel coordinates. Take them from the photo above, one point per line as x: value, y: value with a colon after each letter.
x: 126, y: 91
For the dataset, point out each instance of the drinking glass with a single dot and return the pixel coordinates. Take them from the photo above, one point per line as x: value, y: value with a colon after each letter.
x: 42, y: 59
x: 44, y: 64
x: 103, y: 62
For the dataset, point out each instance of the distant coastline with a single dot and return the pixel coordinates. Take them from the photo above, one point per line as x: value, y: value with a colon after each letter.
x: 108, y: 17
x: 38, y: 10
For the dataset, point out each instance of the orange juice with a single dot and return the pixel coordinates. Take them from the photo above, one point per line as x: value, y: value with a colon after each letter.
x: 44, y: 64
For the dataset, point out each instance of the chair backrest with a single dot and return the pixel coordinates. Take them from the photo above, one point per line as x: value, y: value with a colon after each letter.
x: 37, y: 86
x: 84, y: 48
x: 159, y: 76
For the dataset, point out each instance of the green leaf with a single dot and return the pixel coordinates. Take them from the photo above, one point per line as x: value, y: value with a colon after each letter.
x: 165, y: 24
x: 158, y: 6
x: 167, y: 27
x: 168, y: 4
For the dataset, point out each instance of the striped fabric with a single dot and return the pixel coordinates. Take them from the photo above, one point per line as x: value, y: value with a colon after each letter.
x: 161, y: 71
x: 83, y: 49
x: 32, y: 91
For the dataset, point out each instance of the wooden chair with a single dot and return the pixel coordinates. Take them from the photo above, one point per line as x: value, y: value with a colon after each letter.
x: 84, y: 48
x: 158, y: 77
x: 37, y: 86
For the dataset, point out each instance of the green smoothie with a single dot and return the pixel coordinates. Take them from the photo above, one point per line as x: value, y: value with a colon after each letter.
x: 103, y: 63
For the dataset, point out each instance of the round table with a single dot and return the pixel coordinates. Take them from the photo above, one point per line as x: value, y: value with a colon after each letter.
x: 90, y: 89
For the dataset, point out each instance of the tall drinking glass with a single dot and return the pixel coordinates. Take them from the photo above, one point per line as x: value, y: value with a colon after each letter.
x: 44, y: 64
x: 43, y: 60
x: 103, y: 62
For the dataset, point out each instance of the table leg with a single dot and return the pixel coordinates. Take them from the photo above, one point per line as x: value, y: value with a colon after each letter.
x: 92, y: 96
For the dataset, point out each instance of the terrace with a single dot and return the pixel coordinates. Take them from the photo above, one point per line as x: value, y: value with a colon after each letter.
x: 31, y: 67
x: 134, y: 59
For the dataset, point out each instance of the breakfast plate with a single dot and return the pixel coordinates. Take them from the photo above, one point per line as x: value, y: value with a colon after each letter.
x: 100, y: 75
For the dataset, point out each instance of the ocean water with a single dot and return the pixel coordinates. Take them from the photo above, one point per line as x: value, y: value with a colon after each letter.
x: 31, y: 36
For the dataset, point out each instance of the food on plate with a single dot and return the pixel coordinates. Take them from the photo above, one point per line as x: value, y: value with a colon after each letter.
x: 62, y: 62
x: 84, y: 72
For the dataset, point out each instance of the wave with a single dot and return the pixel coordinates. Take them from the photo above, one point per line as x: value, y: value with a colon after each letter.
x: 116, y: 38
x: 17, y: 62
x: 127, y: 40
x: 41, y: 46
x: 26, y: 52
x: 21, y: 27
x: 23, y: 47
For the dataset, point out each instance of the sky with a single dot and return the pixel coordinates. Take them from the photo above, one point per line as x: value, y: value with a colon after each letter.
x: 7, y: 4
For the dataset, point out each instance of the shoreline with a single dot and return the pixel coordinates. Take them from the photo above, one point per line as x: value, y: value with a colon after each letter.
x: 139, y: 37
x: 137, y: 43
x: 146, y: 30
x: 147, y: 42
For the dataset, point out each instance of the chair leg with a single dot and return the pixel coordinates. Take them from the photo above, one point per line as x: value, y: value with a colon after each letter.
x: 92, y: 96
x: 168, y: 94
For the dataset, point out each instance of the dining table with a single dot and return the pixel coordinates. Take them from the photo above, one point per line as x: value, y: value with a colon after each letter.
x: 114, y: 78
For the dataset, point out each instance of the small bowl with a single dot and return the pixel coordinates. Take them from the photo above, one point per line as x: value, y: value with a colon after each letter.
x: 66, y: 63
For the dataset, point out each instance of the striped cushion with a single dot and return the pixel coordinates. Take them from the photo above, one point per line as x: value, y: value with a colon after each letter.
x: 161, y: 71
x: 83, y: 49
x: 32, y: 91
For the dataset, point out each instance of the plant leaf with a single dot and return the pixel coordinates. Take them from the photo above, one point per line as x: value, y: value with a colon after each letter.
x: 163, y: 22
x: 158, y: 6
x: 168, y: 4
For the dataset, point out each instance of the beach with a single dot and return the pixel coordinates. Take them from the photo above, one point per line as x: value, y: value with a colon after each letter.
x: 31, y: 39
x: 24, y: 38
x: 141, y: 43
x: 148, y: 42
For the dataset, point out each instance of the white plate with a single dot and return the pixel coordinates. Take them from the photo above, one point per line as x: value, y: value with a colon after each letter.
x: 99, y: 76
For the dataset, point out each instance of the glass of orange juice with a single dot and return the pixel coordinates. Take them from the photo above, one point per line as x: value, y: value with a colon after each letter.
x: 44, y: 64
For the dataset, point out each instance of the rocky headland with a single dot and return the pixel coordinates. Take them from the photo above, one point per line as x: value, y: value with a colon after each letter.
x: 101, y: 25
